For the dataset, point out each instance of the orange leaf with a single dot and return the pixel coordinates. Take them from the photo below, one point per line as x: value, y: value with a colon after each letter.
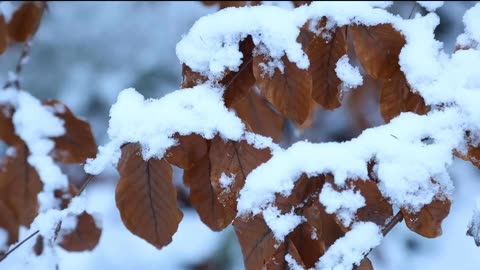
x: 78, y: 143
x: 256, y: 111
x: 191, y: 78
x: 7, y: 132
x: 377, y: 48
x: 256, y: 240
x: 25, y: 20
x: 290, y: 91
x: 396, y: 97
x: 19, y: 186
x: 428, y: 221
x: 365, y: 264
x: 239, y: 83
x: 189, y: 150
x: 146, y: 197
x: 324, y: 55
x: 3, y: 35
x: 235, y: 160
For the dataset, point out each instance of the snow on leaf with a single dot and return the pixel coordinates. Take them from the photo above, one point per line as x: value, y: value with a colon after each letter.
x: 146, y: 197
x: 189, y: 150
x: 474, y: 225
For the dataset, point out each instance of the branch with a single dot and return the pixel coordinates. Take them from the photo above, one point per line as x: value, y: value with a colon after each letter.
x: 15, y: 81
x: 87, y: 181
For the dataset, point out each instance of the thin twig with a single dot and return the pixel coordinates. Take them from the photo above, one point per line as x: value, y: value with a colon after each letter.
x: 413, y: 8
x: 19, y: 67
x: 87, y: 181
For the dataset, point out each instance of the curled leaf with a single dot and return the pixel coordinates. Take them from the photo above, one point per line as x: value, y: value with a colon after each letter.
x: 146, y: 197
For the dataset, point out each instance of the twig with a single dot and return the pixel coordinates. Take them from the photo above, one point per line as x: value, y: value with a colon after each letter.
x: 87, y: 181
x: 19, y: 67
x: 413, y: 8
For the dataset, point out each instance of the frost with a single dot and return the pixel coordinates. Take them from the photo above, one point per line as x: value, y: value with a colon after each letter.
x: 430, y: 6
x: 349, y: 75
x: 281, y: 224
x: 352, y: 248
x: 344, y: 203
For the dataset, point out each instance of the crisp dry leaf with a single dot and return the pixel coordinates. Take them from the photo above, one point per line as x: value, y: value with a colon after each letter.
x: 226, y: 4
x: 473, y: 155
x: 428, y: 221
x: 234, y: 160
x: 78, y: 143
x: 327, y: 228
x: 377, y: 48
x: 238, y: 84
x: 308, y: 242
x: 257, y: 112
x: 290, y: 91
x: 204, y: 199
x: 3, y: 35
x: 365, y: 264
x: 300, y: 3
x: 19, y: 186
x: 191, y: 78
x: 324, y: 55
x: 8, y: 222
x: 279, y: 262
x: 377, y: 209
x: 7, y: 130
x: 25, y: 20
x: 189, y: 150
x: 396, y: 97
x: 146, y: 197
x: 256, y: 240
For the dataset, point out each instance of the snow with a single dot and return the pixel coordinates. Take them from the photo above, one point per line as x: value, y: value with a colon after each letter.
x: 351, y: 248
x: 474, y: 225
x: 348, y: 74
x: 3, y: 240
x: 344, y: 203
x: 430, y: 6
x: 471, y: 19
x: 292, y: 263
x: 6, y: 9
x: 226, y: 181
x: 281, y: 224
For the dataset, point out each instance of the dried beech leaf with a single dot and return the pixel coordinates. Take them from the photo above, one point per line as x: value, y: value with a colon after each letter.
x: 300, y: 3
x: 308, y: 242
x: 473, y: 155
x: 428, y: 221
x: 365, y: 264
x: 39, y: 245
x: 279, y: 262
x: 226, y: 4
x: 78, y: 143
x: 327, y: 228
x: 324, y: 55
x: 396, y: 97
x: 7, y: 130
x: 255, y: 110
x: 290, y: 91
x: 25, y: 20
x: 8, y: 222
x: 3, y: 35
x: 19, y: 186
x: 146, y: 197
x: 256, y: 240
x: 234, y: 160
x: 204, y: 199
x: 85, y: 236
x: 377, y: 48
x: 239, y: 83
x: 191, y: 78
x: 189, y: 150
x: 377, y: 209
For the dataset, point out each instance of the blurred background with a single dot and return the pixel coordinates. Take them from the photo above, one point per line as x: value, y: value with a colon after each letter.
x: 85, y: 53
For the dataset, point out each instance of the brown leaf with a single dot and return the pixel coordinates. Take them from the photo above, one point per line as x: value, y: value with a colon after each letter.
x: 396, y: 96
x: 39, y: 245
x: 279, y: 262
x: 204, y: 199
x: 300, y: 3
x: 146, y: 197
x: 290, y: 91
x: 191, y: 78
x: 377, y: 48
x: 19, y: 186
x: 226, y: 4
x: 365, y: 264
x: 308, y: 242
x: 3, y: 35
x: 256, y: 240
x: 327, y: 228
x: 256, y: 111
x: 428, y: 221
x: 8, y: 222
x: 85, y: 236
x: 189, y: 150
x: 235, y: 160
x: 25, y: 20
x: 324, y: 55
x: 377, y: 209
x: 7, y: 132
x: 239, y: 83
x: 78, y: 143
